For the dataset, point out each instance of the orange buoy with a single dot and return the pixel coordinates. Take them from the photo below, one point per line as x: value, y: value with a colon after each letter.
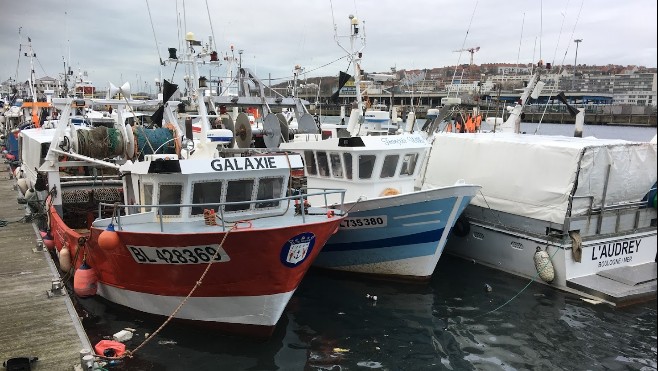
x: 48, y: 241
x: 65, y: 259
x: 110, y: 348
x: 109, y: 238
x: 85, y: 281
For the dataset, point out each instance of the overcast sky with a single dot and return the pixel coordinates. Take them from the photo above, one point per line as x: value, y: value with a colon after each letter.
x: 115, y: 41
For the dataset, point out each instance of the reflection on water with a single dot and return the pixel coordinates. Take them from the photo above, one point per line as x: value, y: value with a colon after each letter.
x: 448, y: 324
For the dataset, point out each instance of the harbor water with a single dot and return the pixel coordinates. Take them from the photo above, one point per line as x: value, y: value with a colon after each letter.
x: 468, y: 317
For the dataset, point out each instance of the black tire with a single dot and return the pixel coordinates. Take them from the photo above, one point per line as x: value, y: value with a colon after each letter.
x: 462, y: 227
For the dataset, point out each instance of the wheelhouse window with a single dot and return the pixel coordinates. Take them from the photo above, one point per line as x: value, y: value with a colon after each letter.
x: 148, y: 196
x: 347, y: 159
x: 409, y: 164
x: 170, y: 194
x: 206, y: 193
x: 309, y: 161
x: 323, y: 164
x: 336, y: 165
x: 237, y: 191
x: 366, y: 166
x: 390, y: 164
x: 269, y: 188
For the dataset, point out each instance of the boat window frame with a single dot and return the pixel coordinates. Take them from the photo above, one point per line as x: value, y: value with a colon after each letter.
x: 361, y: 166
x: 348, y: 164
x: 332, y: 163
x: 143, y: 195
x: 311, y: 167
x: 193, y: 185
x: 389, y: 168
x: 275, y: 204
x: 409, y: 158
x: 250, y: 206
x: 324, y: 170
x: 180, y: 199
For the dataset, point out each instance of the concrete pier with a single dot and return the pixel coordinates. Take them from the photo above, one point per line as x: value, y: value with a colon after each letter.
x: 34, y: 320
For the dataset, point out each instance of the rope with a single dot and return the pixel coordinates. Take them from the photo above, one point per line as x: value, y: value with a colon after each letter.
x: 525, y: 287
x: 100, y: 142
x: 131, y: 353
x: 158, y: 140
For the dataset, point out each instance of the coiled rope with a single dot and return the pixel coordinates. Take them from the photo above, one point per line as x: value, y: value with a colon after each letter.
x: 154, y: 141
x: 100, y: 142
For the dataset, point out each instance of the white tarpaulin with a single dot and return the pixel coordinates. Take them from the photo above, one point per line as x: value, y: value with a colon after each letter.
x: 535, y: 176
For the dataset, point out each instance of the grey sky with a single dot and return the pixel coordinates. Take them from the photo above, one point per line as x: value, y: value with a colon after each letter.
x: 114, y: 40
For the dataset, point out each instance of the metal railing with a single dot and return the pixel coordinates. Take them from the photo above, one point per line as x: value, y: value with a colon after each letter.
x: 301, y: 197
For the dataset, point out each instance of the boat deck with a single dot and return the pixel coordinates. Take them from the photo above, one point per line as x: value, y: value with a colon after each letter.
x: 621, y: 286
x: 33, y: 323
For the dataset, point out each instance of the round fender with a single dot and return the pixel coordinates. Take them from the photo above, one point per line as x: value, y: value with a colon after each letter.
x: 462, y: 227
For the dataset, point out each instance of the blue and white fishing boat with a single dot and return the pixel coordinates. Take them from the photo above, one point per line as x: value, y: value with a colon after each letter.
x: 393, y: 229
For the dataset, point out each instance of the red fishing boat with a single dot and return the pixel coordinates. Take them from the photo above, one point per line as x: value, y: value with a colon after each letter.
x: 174, y: 226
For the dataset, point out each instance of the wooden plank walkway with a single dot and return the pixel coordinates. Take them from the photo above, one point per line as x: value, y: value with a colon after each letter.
x: 31, y: 323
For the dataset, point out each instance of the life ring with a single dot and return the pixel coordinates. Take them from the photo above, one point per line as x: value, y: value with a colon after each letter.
x: 462, y: 227
x: 390, y: 192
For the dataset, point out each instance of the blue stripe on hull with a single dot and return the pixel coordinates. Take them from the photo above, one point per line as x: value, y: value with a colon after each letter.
x: 412, y: 230
x: 378, y: 251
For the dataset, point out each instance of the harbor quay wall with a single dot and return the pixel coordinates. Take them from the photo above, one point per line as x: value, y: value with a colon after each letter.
x: 561, y: 117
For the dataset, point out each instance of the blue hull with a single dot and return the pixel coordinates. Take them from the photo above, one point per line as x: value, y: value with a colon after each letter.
x: 392, y: 237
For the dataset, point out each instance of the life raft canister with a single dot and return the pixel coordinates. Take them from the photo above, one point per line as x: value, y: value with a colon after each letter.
x: 85, y: 282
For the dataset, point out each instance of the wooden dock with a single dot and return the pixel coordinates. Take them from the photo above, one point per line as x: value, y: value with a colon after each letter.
x: 32, y: 324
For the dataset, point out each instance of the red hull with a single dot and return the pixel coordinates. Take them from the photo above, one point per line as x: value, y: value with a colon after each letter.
x: 254, y: 267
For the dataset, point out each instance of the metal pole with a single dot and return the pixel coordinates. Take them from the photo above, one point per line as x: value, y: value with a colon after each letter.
x: 575, y: 64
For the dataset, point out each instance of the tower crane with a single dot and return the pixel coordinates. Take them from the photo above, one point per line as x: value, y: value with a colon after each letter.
x: 470, y: 50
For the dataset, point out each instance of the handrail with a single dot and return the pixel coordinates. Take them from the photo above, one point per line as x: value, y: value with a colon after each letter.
x: 300, y: 196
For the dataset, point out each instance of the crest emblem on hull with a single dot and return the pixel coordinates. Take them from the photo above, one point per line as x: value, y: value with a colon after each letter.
x: 297, y: 249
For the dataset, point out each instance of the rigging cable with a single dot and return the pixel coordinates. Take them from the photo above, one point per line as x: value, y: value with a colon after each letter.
x: 470, y: 22
x: 564, y: 16
x: 18, y: 61
x: 212, y: 31
x: 573, y: 30
x: 153, y: 29
x: 518, y: 54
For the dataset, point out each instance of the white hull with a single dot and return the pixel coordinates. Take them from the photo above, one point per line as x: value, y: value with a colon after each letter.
x: 262, y: 310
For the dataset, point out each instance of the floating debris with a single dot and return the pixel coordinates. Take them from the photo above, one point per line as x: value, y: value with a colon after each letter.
x: 488, y: 287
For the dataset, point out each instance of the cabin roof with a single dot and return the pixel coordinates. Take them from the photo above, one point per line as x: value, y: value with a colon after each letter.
x: 366, y: 144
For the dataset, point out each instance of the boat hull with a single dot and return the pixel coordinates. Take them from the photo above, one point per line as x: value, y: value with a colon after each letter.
x: 398, y: 237
x: 246, y: 286
x: 512, y: 250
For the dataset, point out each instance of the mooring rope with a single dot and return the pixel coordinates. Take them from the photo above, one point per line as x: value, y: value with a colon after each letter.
x: 131, y: 353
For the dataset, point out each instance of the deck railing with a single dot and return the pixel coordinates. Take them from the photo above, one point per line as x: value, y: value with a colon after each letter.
x: 301, y: 196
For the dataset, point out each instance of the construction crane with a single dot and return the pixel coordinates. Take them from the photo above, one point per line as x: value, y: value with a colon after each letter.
x: 470, y: 50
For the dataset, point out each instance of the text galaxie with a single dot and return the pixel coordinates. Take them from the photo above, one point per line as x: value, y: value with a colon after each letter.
x: 243, y: 163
